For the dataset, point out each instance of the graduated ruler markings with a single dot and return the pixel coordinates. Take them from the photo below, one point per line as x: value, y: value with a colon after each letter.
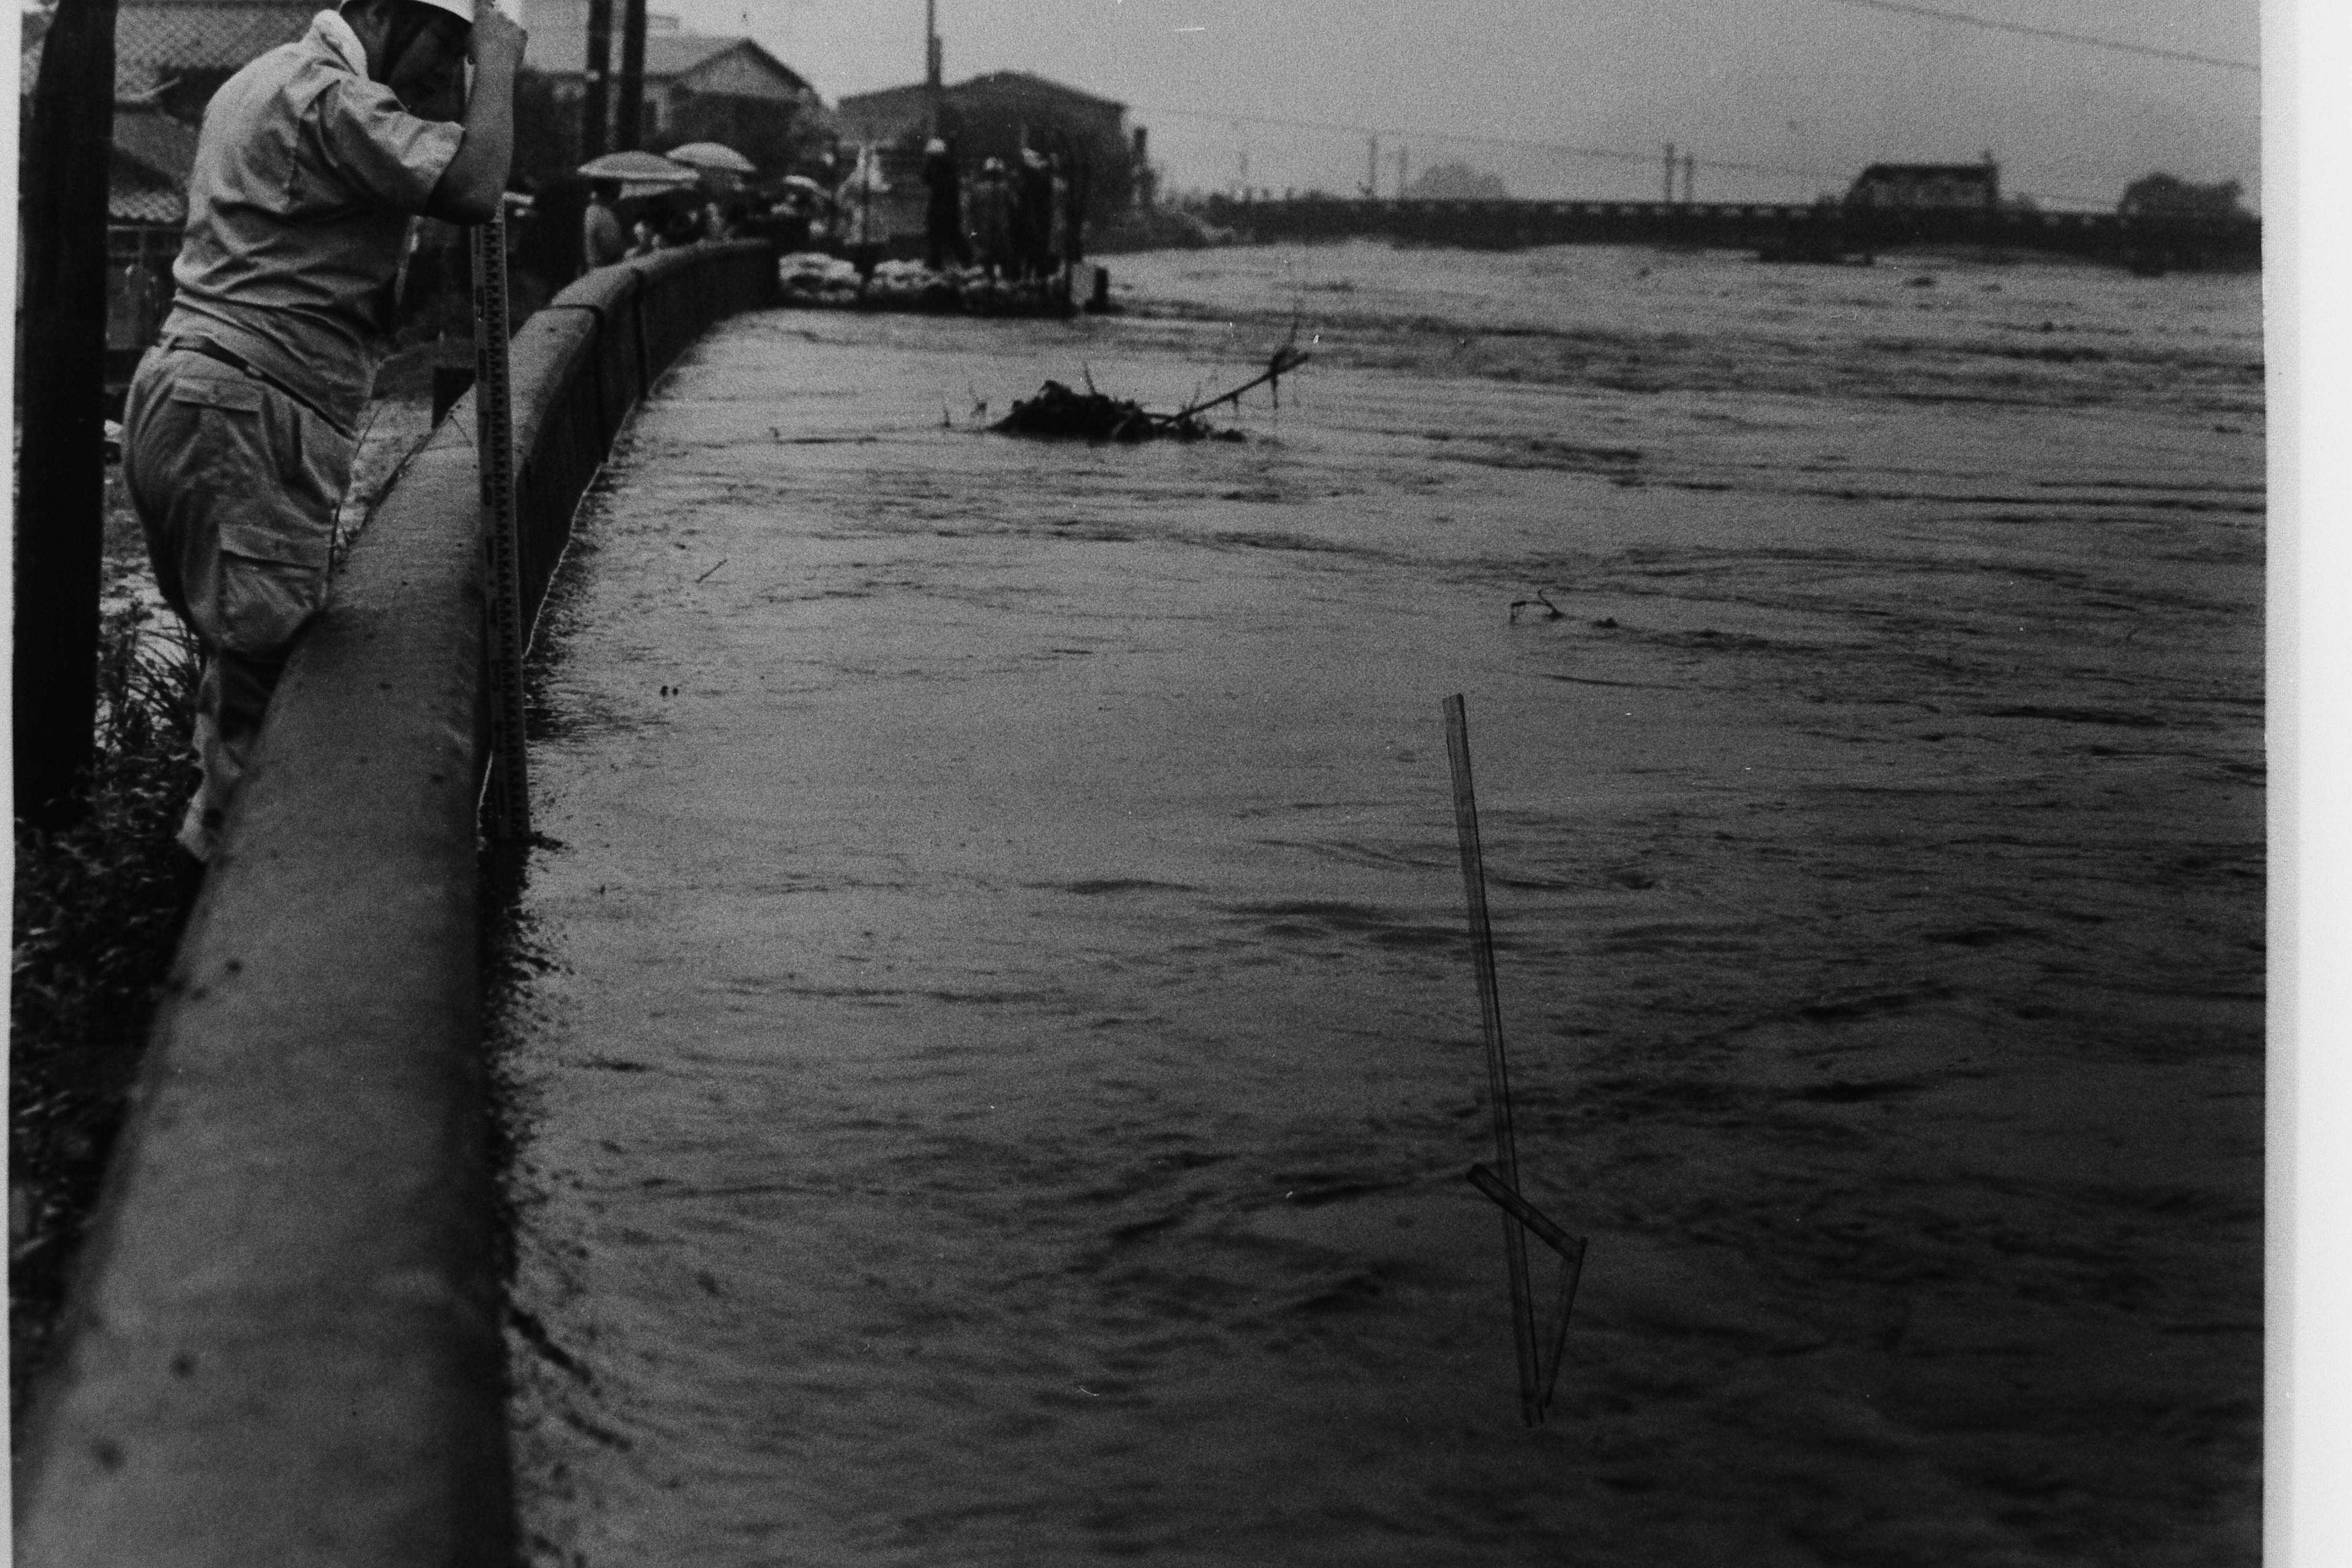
x: 509, y: 786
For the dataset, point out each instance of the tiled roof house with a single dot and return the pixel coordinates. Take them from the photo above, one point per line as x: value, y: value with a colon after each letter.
x: 978, y: 107
x: 168, y: 50
x: 995, y: 115
x: 153, y: 154
x: 176, y: 53
x: 170, y: 57
x: 1928, y: 185
x: 728, y: 89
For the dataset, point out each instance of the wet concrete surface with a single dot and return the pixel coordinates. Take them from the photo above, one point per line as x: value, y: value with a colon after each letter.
x: 991, y: 1050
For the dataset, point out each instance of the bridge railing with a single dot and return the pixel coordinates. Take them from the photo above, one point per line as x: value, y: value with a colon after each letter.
x: 284, y: 1342
x: 1824, y: 228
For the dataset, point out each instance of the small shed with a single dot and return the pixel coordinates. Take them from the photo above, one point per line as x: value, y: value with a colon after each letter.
x: 1928, y: 187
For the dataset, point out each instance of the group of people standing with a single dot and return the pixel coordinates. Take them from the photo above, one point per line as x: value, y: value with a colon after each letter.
x: 675, y: 218
x: 1019, y: 223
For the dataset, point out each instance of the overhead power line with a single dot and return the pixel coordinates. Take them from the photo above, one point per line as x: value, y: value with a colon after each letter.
x: 2019, y: 27
x: 1612, y: 155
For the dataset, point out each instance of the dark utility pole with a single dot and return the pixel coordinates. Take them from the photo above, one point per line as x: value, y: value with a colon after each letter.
x: 1670, y: 171
x: 629, y: 134
x: 933, y: 62
x: 596, y: 104
x: 62, y: 476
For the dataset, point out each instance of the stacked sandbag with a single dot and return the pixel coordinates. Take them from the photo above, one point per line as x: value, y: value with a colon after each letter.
x: 813, y: 278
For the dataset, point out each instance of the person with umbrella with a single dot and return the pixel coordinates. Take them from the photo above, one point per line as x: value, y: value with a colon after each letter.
x: 602, y: 240
x: 239, y: 427
x: 634, y: 174
x: 721, y: 170
x: 797, y: 210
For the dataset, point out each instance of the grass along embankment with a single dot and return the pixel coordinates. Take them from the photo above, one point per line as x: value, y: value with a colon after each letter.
x: 98, y: 907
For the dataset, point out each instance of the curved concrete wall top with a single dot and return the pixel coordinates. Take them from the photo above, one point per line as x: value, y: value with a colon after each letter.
x: 283, y: 1344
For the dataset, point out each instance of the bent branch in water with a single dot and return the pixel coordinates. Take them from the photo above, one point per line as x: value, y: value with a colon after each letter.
x: 1056, y: 410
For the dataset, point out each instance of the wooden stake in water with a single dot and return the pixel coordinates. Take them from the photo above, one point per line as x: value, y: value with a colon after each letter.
x: 1572, y: 1260
x: 1498, y: 1078
x: 509, y: 784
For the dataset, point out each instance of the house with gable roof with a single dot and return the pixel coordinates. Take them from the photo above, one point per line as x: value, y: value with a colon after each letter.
x: 1941, y: 187
x: 174, y: 54
x: 170, y: 57
x: 995, y: 115
x: 698, y: 87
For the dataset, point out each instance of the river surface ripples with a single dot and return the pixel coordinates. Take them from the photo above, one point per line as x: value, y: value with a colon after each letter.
x: 990, y: 1047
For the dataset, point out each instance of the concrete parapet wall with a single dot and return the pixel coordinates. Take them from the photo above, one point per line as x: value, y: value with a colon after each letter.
x: 283, y: 1344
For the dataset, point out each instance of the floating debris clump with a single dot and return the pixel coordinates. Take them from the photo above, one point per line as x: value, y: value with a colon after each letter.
x: 1059, y: 410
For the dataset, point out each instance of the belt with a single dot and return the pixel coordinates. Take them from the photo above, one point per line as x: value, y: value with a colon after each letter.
x: 238, y: 362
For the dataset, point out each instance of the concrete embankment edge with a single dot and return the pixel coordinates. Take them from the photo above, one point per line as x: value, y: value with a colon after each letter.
x: 283, y: 1343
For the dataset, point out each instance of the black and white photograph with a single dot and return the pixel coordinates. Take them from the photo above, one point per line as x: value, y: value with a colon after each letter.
x: 953, y: 784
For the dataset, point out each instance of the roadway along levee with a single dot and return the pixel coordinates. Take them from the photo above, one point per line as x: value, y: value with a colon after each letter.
x: 283, y: 1344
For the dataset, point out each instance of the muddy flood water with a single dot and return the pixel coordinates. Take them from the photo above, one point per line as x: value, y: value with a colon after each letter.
x: 991, y: 1046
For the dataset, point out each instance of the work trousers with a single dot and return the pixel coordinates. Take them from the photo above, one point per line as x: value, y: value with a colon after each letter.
x: 237, y: 486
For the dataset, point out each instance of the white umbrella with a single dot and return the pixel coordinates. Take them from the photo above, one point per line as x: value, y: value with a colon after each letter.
x: 645, y: 169
x: 712, y: 155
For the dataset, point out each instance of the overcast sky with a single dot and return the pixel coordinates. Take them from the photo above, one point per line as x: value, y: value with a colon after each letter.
x: 1811, y: 88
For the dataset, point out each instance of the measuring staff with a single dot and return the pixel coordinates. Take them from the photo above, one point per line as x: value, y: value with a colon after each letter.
x: 238, y: 431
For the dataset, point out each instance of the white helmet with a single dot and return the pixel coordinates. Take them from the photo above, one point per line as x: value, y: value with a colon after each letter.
x: 456, y: 7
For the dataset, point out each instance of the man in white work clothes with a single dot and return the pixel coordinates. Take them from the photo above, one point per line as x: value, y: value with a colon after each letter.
x: 239, y: 430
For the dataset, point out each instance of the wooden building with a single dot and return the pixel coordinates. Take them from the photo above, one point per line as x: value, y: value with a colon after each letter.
x: 698, y: 87
x: 1932, y: 187
x: 146, y: 213
x: 994, y: 116
x: 173, y: 54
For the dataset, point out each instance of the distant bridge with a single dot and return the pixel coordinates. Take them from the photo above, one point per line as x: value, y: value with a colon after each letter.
x: 1814, y: 232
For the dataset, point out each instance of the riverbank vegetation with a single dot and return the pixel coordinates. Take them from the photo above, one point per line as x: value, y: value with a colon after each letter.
x: 97, y: 909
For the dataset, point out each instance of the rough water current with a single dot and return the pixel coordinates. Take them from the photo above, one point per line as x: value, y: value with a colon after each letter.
x: 991, y: 1046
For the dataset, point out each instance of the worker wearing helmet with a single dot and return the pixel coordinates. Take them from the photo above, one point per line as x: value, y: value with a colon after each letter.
x: 991, y: 221
x: 239, y: 427
x: 943, y: 236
